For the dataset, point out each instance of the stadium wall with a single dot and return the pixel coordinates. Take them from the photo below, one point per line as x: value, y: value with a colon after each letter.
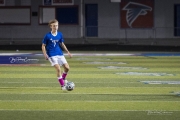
x: 109, y: 26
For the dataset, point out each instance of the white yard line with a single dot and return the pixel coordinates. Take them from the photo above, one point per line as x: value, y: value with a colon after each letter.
x: 52, y: 110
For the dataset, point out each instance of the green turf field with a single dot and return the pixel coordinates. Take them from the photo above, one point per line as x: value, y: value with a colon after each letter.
x: 107, y: 88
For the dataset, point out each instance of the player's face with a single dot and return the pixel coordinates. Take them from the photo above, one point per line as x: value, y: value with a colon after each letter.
x: 54, y: 26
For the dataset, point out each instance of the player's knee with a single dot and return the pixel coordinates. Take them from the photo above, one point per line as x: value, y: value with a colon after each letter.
x: 68, y: 68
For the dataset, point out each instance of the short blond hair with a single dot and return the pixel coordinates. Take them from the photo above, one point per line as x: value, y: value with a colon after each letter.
x: 52, y: 21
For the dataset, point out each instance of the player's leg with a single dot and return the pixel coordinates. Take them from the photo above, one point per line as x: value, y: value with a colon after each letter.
x: 54, y: 62
x: 58, y: 71
x: 66, y: 70
x: 62, y: 61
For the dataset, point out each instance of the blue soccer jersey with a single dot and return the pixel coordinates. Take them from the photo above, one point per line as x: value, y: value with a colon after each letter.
x: 52, y: 44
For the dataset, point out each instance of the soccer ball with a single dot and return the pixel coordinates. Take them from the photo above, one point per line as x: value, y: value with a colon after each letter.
x: 70, y: 86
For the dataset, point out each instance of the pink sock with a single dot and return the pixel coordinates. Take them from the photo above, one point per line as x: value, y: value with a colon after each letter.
x: 64, y: 75
x: 61, y: 81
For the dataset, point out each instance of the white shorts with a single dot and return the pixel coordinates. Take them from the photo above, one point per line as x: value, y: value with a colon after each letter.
x: 61, y: 60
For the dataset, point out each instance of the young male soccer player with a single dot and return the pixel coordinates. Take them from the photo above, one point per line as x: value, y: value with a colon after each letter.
x: 53, y: 52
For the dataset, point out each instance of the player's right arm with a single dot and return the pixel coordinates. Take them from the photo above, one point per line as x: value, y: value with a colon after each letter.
x: 44, y: 51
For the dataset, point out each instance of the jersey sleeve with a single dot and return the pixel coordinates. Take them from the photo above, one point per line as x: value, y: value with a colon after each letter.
x: 44, y: 41
x: 61, y: 37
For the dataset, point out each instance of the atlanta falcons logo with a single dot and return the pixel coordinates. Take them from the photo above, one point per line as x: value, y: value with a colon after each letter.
x: 134, y: 10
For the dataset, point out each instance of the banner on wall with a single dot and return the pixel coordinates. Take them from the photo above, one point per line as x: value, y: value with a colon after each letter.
x: 58, y: 2
x: 62, y: 2
x: 137, y: 13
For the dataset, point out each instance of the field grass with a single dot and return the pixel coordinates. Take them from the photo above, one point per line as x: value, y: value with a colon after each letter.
x: 107, y: 87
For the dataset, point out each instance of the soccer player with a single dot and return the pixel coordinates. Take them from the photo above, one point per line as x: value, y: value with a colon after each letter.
x: 52, y: 46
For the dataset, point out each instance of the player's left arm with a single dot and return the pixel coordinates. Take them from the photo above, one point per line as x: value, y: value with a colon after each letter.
x: 65, y: 49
